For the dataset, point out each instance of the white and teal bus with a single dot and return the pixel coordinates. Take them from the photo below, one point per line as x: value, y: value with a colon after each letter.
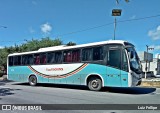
x: 113, y: 63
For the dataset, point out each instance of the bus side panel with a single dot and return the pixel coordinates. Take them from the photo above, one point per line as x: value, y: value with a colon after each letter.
x: 93, y: 69
x: 113, y: 77
x: 125, y: 80
x: 60, y: 80
x: 74, y: 79
x: 19, y: 73
x: 80, y: 77
x: 10, y: 74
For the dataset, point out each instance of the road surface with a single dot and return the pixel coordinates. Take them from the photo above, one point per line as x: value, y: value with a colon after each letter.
x: 22, y: 93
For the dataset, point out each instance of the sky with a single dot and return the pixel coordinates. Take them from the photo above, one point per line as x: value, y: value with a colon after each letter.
x: 80, y: 21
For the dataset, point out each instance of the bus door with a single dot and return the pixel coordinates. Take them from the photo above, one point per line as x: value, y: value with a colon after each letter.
x: 114, y: 65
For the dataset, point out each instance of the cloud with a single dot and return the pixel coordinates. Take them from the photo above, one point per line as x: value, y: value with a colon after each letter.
x: 1, y: 47
x: 31, y: 30
x: 46, y: 28
x: 157, y: 55
x: 156, y: 47
x: 155, y: 34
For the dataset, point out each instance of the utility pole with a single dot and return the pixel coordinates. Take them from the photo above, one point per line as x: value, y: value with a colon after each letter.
x: 114, y: 28
x: 146, y: 68
x: 146, y: 63
x: 115, y: 12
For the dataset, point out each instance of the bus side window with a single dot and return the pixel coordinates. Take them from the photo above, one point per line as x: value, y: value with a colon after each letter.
x: 43, y: 58
x: 67, y: 56
x: 17, y: 60
x: 87, y: 54
x: 124, y: 61
x: 50, y: 57
x: 30, y: 59
x: 11, y: 61
x: 24, y: 60
x: 97, y: 53
x: 75, y: 55
x: 58, y: 57
x: 36, y: 59
x: 114, y: 58
x: 27, y: 59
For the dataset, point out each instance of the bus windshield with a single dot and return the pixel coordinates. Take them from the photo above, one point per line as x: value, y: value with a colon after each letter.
x: 134, y: 60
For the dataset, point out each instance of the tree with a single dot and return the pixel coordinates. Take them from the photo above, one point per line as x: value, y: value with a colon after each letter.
x: 117, y: 1
x: 71, y: 44
x: 31, y: 45
x: 3, y: 57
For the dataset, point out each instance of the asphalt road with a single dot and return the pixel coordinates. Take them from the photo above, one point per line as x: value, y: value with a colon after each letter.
x: 22, y: 93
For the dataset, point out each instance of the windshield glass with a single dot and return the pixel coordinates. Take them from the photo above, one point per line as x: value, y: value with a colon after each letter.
x: 134, y: 60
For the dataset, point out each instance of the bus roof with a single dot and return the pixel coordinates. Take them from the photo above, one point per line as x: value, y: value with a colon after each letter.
x: 64, y: 47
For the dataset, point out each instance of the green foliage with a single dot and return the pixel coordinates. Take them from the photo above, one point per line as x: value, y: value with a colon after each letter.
x: 35, y: 44
x: 127, y: 0
x: 1, y: 73
x: 3, y: 56
x: 32, y: 45
x: 71, y: 44
x: 117, y: 1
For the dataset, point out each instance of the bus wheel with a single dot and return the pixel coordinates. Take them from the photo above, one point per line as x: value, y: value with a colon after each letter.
x: 95, y: 84
x: 32, y: 80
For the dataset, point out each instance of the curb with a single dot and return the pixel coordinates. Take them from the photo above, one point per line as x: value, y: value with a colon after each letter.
x: 151, y: 82
x: 150, y: 79
x: 3, y: 78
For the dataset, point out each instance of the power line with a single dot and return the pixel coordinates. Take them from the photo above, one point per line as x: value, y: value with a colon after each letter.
x: 136, y: 19
x: 2, y: 26
x: 143, y: 18
x: 99, y: 26
x: 85, y: 29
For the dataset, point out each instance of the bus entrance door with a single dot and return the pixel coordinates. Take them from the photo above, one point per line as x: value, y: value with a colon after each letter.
x: 114, y: 66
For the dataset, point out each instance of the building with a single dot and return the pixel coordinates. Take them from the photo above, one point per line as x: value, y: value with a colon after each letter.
x: 149, y: 64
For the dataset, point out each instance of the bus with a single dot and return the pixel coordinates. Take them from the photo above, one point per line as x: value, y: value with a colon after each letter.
x: 112, y: 63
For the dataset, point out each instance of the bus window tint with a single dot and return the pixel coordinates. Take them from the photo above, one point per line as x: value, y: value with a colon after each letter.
x: 58, y: 57
x: 10, y: 61
x: 87, y: 54
x: 17, y: 60
x: 36, y: 59
x: 43, y: 59
x: 75, y: 55
x: 67, y: 56
x: 97, y: 53
x: 24, y: 60
x: 27, y: 59
x: 124, y: 61
x: 114, y: 58
x: 30, y: 59
x: 50, y: 58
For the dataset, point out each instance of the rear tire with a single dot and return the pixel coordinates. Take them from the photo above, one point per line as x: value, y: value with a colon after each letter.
x: 95, y: 84
x: 32, y: 80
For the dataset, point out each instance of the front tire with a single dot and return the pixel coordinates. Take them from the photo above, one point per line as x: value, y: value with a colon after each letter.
x: 32, y: 80
x: 95, y: 84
